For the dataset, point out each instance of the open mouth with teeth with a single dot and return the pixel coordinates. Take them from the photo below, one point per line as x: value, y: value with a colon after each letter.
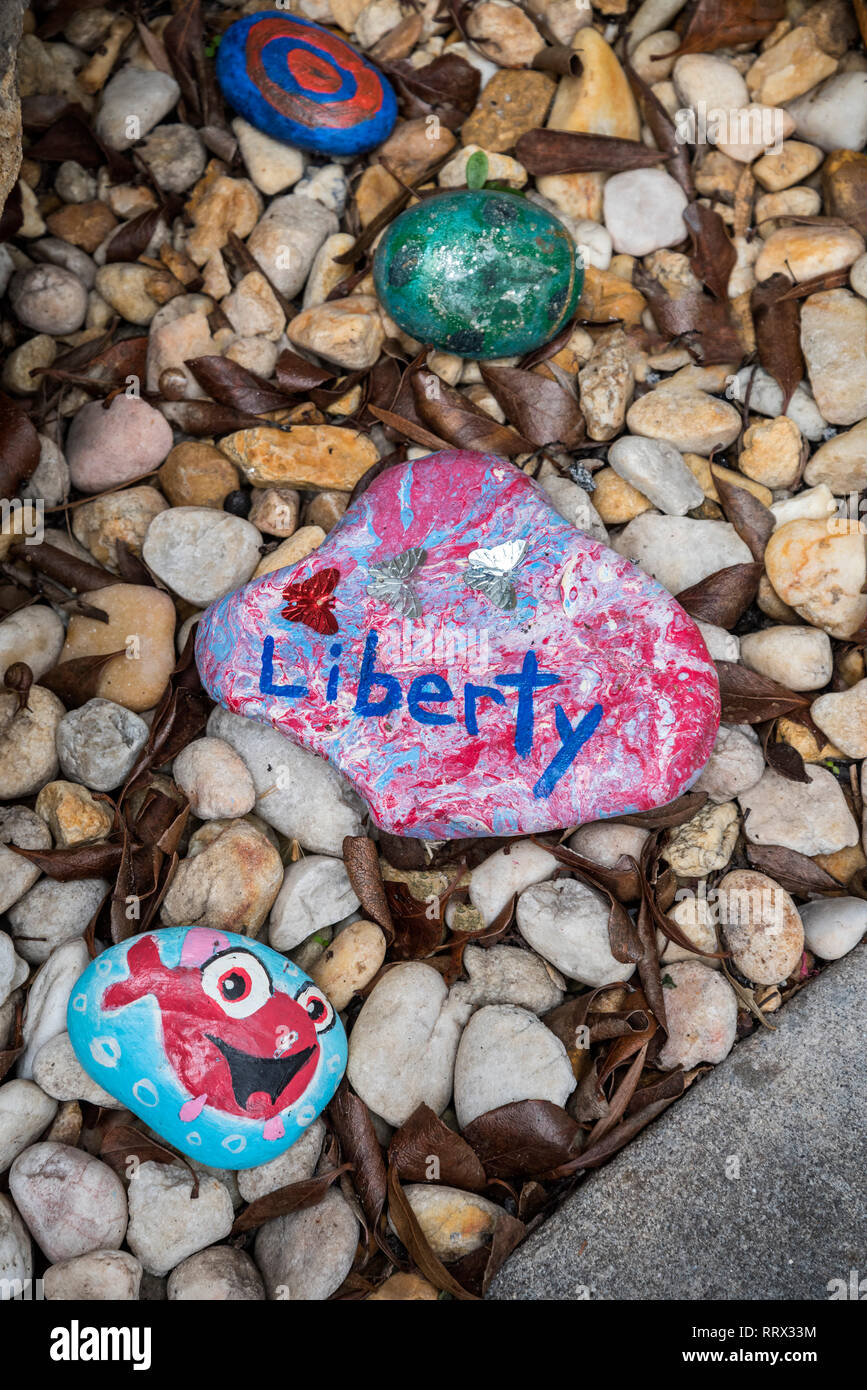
x: 251, y: 1073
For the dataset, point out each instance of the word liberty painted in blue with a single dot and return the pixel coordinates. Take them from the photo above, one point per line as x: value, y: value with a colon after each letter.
x: 432, y: 689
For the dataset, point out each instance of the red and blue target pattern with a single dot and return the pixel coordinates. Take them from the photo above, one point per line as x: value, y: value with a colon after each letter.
x: 297, y: 82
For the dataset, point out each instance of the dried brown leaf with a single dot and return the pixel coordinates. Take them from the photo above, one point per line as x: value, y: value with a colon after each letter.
x: 723, y: 597
x: 748, y: 698
x: 464, y: 424
x: 793, y: 871
x: 713, y: 255
x: 540, y: 409
x: 98, y: 860
x: 565, y: 152
x: 361, y: 859
x: 425, y: 1136
x: 777, y: 323
x: 296, y: 1196
x: 523, y: 1139
x: 19, y: 446
x: 752, y: 520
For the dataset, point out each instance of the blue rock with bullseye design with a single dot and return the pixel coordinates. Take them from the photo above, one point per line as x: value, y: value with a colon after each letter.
x: 300, y: 83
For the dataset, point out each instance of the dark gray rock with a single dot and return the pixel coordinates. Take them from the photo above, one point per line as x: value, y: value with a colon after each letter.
x: 664, y: 1220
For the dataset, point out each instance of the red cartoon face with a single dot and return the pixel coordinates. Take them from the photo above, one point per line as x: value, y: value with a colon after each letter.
x: 235, y: 1042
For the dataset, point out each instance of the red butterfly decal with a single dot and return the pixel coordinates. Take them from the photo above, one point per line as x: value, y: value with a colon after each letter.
x: 312, y: 601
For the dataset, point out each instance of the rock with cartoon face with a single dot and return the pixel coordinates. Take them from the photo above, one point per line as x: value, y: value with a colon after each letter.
x: 225, y: 1048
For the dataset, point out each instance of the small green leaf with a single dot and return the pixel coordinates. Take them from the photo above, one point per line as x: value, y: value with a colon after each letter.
x: 668, y: 982
x: 477, y: 169
x: 212, y: 45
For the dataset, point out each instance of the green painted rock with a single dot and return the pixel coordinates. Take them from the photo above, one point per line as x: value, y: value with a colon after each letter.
x: 478, y: 273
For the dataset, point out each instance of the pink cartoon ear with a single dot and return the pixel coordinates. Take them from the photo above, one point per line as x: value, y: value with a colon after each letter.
x: 200, y: 943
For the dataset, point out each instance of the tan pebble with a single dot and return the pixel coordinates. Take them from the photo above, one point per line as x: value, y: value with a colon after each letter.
x: 403, y: 1288
x: 82, y: 224
x: 116, y: 518
x: 842, y: 715
x: 455, y: 1223
x: 690, y: 419
x: 141, y: 624
x: 615, y: 500
x: 819, y: 568
x: 505, y: 34
x: 510, y: 104
x: 315, y: 457
x: 789, y: 68
x: 325, y: 509
x: 305, y: 540
x: 350, y: 962
x: 197, y: 474
x: 794, y: 162
x: 274, y: 510
x: 705, y: 843
x: 760, y: 925
x: 73, y: 814
x: 803, y: 252
x: 771, y: 452
x: 227, y: 205
x: 348, y: 332
x: 834, y: 344
x: 701, y: 1011
x: 414, y: 147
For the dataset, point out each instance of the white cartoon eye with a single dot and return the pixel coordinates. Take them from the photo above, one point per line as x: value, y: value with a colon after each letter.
x: 313, y: 1001
x: 238, y: 982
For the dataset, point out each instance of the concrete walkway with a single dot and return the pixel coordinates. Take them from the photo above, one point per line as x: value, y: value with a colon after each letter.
x: 749, y: 1186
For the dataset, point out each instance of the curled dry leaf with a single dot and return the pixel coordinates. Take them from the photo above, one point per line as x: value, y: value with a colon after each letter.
x: 296, y: 1196
x: 361, y: 859
x: 425, y: 1136
x: 19, y: 446
x: 98, y: 860
x: 793, y: 871
x: 523, y: 1139
x: 77, y: 681
x: 777, y: 323
x: 723, y: 597
x: 447, y: 88
x: 19, y: 678
x: 359, y: 1147
x: 232, y: 385
x: 78, y: 575
x: 663, y: 130
x: 713, y: 255
x: 711, y: 24
x: 752, y: 520
x: 748, y: 698
x: 417, y: 928
x: 664, y: 817
x: 563, y: 152
x: 464, y: 424
x: 700, y: 322
x: 540, y: 409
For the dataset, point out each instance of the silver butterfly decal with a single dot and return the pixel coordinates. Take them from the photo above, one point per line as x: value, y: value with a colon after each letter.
x: 390, y: 581
x: 492, y: 572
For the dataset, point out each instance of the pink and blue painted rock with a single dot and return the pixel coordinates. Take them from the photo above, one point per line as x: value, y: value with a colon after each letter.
x: 474, y: 664
x: 300, y: 83
x: 225, y: 1048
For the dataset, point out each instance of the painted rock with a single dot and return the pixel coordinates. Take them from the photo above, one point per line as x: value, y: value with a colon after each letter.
x: 478, y: 273
x: 225, y: 1048
x: 300, y: 83
x: 469, y: 660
